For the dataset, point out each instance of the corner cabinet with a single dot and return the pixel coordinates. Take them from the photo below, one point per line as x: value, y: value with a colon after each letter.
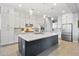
x: 33, y: 48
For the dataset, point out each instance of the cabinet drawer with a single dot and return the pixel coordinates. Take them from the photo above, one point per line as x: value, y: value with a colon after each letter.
x: 33, y: 49
x: 34, y: 42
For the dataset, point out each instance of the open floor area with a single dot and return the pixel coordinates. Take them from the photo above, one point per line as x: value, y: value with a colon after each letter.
x: 64, y: 48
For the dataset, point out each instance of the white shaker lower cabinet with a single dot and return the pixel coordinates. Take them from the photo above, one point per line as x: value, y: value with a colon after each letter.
x: 11, y: 36
x: 4, y: 37
x: 7, y: 37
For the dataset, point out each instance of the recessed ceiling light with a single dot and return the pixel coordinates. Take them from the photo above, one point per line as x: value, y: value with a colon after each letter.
x: 54, y: 4
x: 44, y: 16
x: 19, y: 5
x: 31, y: 11
x: 63, y: 11
x: 52, y: 18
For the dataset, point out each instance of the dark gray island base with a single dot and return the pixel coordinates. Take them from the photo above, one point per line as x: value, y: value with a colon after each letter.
x: 35, y: 47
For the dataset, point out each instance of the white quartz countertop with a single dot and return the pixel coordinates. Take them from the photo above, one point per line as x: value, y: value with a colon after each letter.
x: 32, y: 36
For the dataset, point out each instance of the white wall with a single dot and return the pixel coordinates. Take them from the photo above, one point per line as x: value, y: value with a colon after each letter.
x: 75, y: 27
x: 59, y: 25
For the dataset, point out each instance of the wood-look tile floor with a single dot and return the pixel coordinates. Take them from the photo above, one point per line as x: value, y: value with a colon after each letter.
x: 11, y: 50
x: 64, y: 48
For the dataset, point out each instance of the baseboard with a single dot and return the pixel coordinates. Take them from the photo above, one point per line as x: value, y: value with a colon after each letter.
x: 75, y: 41
x: 9, y: 44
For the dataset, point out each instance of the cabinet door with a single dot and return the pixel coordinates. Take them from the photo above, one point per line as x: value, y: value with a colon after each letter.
x: 17, y: 19
x: 4, y: 23
x: 7, y: 37
x: 11, y: 26
x: 48, y: 42
x: 7, y: 26
x: 20, y: 19
x: 4, y: 39
x: 33, y: 48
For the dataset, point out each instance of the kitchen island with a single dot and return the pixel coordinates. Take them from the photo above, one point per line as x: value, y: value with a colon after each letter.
x: 31, y: 44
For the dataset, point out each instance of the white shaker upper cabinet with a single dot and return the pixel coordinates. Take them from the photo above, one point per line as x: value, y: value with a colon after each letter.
x: 20, y: 19
x: 17, y: 19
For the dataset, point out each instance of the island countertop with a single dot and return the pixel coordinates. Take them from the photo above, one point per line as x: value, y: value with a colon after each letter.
x: 32, y: 36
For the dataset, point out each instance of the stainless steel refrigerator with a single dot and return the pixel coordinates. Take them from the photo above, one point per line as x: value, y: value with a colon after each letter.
x: 67, y: 32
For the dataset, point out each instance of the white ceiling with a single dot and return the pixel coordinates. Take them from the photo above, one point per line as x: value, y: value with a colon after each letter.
x: 46, y: 8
